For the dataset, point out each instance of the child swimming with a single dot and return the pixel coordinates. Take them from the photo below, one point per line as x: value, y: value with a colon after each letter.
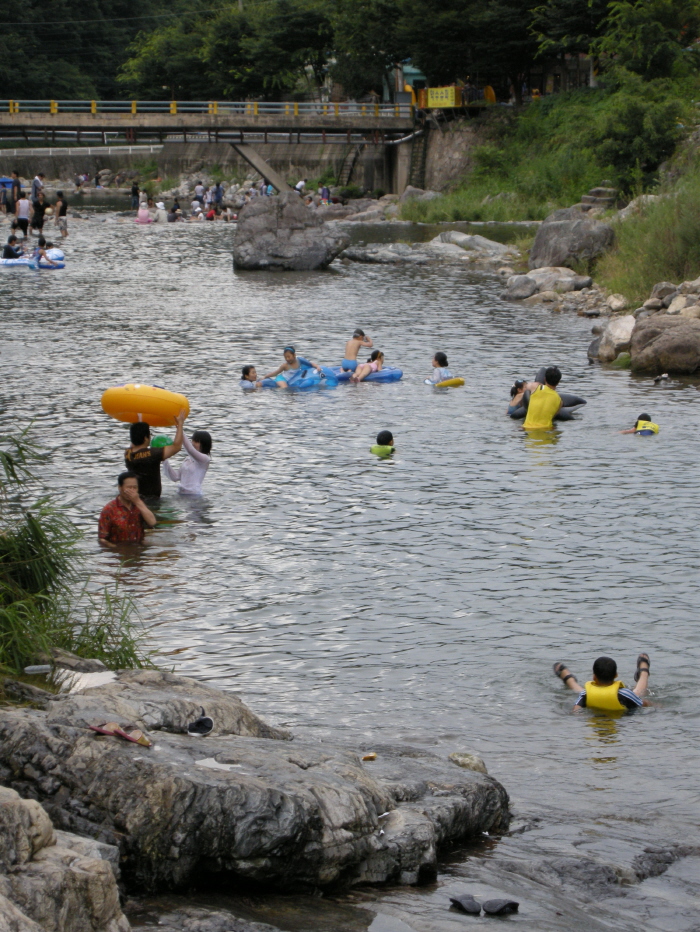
x: 644, y: 427
x: 352, y: 348
x: 605, y: 691
x: 249, y: 378
x: 292, y: 363
x: 384, y: 445
x: 192, y: 472
x: 374, y: 364
x: 441, y: 373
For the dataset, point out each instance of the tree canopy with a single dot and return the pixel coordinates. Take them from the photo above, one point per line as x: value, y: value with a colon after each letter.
x: 264, y: 48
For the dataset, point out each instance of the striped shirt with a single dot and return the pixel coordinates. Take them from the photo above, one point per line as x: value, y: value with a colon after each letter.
x: 627, y: 698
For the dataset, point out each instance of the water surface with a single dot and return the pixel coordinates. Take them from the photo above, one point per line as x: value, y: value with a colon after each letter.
x: 422, y: 599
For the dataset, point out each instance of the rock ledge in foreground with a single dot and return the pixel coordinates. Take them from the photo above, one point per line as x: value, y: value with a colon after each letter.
x: 290, y: 814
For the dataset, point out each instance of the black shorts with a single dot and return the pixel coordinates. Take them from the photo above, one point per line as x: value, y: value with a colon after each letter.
x: 38, y: 224
x: 22, y: 224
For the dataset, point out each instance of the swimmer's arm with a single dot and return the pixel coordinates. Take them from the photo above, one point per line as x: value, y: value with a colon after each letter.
x: 367, y: 341
x: 176, y: 445
x: 632, y: 430
x: 271, y: 375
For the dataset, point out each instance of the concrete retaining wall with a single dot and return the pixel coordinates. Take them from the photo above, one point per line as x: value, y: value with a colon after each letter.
x: 373, y: 168
x: 449, y: 156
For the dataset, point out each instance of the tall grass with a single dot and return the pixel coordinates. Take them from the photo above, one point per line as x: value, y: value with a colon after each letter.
x: 46, y: 600
x: 661, y: 244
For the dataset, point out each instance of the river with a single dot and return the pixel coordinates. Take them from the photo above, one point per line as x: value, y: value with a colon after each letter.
x: 419, y: 600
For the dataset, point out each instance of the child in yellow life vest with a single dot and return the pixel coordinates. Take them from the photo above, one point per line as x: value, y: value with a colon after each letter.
x: 644, y: 427
x: 605, y: 691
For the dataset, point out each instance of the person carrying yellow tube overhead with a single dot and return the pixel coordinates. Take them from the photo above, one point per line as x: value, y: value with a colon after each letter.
x: 544, y: 402
x: 605, y: 691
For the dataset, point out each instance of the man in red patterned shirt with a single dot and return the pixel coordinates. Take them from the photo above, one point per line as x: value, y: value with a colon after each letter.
x: 124, y: 520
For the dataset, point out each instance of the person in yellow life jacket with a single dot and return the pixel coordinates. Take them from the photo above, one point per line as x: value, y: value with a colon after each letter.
x: 644, y: 427
x: 544, y: 402
x: 605, y: 691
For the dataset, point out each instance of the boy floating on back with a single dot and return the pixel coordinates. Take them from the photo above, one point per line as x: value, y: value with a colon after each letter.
x: 605, y: 691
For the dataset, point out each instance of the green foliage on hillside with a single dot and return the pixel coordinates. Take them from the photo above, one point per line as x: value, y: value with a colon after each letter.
x: 551, y: 153
x: 662, y: 244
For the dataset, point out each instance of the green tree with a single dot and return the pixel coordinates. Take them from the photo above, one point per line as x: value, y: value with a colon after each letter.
x: 504, y: 47
x: 366, y: 44
x: 568, y: 26
x: 167, y: 64
x: 653, y: 38
x: 439, y: 35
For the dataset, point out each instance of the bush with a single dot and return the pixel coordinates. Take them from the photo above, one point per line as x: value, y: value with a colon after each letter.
x: 662, y: 244
x: 46, y: 600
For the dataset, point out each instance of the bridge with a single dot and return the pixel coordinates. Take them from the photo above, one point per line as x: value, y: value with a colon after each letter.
x: 222, y: 121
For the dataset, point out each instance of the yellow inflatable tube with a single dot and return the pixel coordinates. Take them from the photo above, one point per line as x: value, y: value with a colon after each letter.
x: 156, y: 406
x: 450, y: 383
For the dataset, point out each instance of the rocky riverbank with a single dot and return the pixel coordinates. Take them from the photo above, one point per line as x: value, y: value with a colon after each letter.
x: 246, y: 802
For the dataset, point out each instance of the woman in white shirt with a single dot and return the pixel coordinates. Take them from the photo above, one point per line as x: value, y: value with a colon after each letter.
x: 192, y: 472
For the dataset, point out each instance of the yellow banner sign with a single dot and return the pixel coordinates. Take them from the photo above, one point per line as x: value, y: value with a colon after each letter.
x: 444, y: 97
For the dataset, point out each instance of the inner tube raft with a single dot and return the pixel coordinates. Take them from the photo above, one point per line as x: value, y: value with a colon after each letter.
x: 387, y: 374
x: 302, y: 380
x: 33, y: 262
x: 446, y: 383
x: 570, y: 403
x: 134, y: 402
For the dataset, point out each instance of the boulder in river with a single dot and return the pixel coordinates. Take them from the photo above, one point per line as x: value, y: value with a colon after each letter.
x: 666, y: 344
x: 290, y: 814
x: 616, y: 338
x: 568, y: 236
x: 281, y: 233
x: 476, y: 242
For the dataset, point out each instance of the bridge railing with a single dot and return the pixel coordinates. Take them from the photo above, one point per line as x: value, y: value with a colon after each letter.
x: 211, y: 107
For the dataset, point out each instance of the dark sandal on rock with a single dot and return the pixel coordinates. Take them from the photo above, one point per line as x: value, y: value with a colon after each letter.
x: 559, y: 669
x: 643, y: 658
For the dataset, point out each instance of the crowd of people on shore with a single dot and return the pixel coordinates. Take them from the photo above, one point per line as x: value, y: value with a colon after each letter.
x: 30, y: 212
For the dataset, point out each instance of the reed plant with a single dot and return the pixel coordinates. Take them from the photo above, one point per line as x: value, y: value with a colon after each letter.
x: 47, y: 599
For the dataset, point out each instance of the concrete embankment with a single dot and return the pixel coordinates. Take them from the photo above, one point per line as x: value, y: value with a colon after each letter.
x: 375, y: 166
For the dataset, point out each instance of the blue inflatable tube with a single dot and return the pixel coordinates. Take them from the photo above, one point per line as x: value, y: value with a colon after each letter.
x: 387, y: 374
x: 302, y: 380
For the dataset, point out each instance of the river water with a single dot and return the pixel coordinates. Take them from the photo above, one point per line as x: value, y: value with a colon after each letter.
x: 419, y: 600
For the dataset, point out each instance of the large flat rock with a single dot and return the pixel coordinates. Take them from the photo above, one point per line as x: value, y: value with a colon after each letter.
x: 292, y: 814
x: 666, y: 344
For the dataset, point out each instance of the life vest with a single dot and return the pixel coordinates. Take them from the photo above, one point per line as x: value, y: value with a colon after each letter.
x: 380, y: 449
x: 647, y: 428
x: 543, y: 405
x: 604, y: 697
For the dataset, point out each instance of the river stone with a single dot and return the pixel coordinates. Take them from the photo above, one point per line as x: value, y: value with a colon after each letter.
x: 519, y: 286
x: 56, y: 880
x: 692, y: 312
x: 692, y: 287
x: 616, y: 303
x: 662, y: 289
x: 653, y: 304
x: 666, y: 344
x: 678, y: 303
x: 616, y: 338
x: 593, y: 348
x: 282, y: 233
x: 480, y: 243
x: 568, y: 236
x: 201, y: 919
x: 468, y: 761
x: 293, y: 815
